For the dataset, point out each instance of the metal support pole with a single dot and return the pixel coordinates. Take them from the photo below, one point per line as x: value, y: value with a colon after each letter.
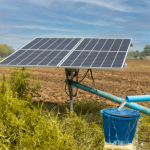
x: 70, y: 88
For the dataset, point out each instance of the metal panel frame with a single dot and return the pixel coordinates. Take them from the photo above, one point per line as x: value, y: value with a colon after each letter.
x: 71, y: 51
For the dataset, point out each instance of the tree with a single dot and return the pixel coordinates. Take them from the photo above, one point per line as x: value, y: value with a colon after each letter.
x: 6, y: 50
x: 147, y: 47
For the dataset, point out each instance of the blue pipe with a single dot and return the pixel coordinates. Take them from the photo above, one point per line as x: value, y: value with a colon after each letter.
x: 111, y: 97
x: 137, y: 98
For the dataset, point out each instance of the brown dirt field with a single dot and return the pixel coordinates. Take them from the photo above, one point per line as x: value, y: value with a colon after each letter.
x: 122, y: 83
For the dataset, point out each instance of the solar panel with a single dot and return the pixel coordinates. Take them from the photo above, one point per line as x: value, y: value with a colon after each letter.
x: 88, y: 53
x: 98, y: 54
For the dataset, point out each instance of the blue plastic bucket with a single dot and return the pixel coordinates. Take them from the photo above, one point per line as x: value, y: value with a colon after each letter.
x: 120, y: 126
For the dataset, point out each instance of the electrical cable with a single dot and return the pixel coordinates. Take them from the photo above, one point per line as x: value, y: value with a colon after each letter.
x: 96, y: 88
x: 76, y: 74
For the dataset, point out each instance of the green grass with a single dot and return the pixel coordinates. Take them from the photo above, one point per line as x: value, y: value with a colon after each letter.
x: 34, y: 125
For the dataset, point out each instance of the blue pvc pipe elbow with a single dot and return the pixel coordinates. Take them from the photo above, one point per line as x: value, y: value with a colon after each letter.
x: 137, y: 98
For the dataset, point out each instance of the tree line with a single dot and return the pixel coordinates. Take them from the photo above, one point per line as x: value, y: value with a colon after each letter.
x: 136, y: 54
x: 5, y: 50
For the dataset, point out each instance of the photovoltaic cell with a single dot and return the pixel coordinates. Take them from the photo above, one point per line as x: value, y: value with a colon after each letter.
x: 109, y: 59
x: 124, y: 45
x: 72, y: 44
x: 99, y: 59
x: 12, y: 57
x: 49, y: 58
x: 40, y: 58
x: 21, y: 57
x: 61, y: 55
x: 81, y: 58
x: 108, y: 45
x: 56, y: 43
x: 90, y: 59
x: 116, y: 45
x: 119, y: 59
x: 64, y: 44
x: 100, y: 44
x: 48, y: 43
x: 39, y: 44
x: 91, y: 45
x: 83, y: 44
x: 30, y: 58
x: 32, y: 43
x: 71, y: 58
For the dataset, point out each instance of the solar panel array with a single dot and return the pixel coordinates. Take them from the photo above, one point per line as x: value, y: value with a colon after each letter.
x: 71, y: 53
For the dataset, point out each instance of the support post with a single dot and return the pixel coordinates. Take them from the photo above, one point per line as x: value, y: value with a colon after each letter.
x: 70, y: 88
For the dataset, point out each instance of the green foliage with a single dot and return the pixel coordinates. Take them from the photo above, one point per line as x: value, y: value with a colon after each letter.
x: 25, y: 125
x: 145, y: 52
x: 22, y: 82
x: 3, y: 86
x: 147, y: 47
x: 5, y: 50
x: 141, y: 58
x: 144, y: 130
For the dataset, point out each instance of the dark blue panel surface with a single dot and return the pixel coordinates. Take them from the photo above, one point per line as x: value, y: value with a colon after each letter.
x: 56, y: 44
x: 90, y: 59
x: 116, y: 45
x: 49, y: 43
x: 49, y: 58
x: 125, y: 45
x: 83, y: 44
x: 119, y: 59
x: 39, y: 44
x: 72, y: 44
x: 58, y: 58
x: 32, y: 43
x: 30, y: 58
x: 12, y: 57
x: 109, y: 59
x: 99, y: 60
x: 64, y: 44
x: 81, y: 58
x: 71, y: 58
x: 91, y: 45
x: 108, y: 45
x: 100, y: 44
x: 40, y: 58
x: 21, y: 57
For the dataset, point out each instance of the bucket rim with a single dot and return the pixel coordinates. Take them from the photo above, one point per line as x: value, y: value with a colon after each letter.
x: 119, y: 117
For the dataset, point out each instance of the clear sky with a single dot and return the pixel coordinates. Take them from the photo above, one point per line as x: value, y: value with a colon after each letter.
x: 23, y: 20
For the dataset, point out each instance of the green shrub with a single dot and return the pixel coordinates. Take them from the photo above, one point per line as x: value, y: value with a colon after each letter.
x: 141, y: 58
x: 3, y: 86
x: 22, y: 82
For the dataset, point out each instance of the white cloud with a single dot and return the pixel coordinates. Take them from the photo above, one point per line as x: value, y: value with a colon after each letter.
x: 98, y: 23
x: 45, y: 28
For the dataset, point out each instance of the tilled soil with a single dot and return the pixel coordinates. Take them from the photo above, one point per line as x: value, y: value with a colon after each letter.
x: 133, y: 80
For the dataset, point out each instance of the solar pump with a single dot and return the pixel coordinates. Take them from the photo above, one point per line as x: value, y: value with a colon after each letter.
x: 72, y: 54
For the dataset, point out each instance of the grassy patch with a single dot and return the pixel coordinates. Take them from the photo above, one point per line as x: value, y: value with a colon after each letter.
x: 26, y: 125
x: 37, y: 125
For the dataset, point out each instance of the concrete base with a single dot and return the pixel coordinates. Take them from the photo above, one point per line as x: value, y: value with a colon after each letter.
x: 119, y: 147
